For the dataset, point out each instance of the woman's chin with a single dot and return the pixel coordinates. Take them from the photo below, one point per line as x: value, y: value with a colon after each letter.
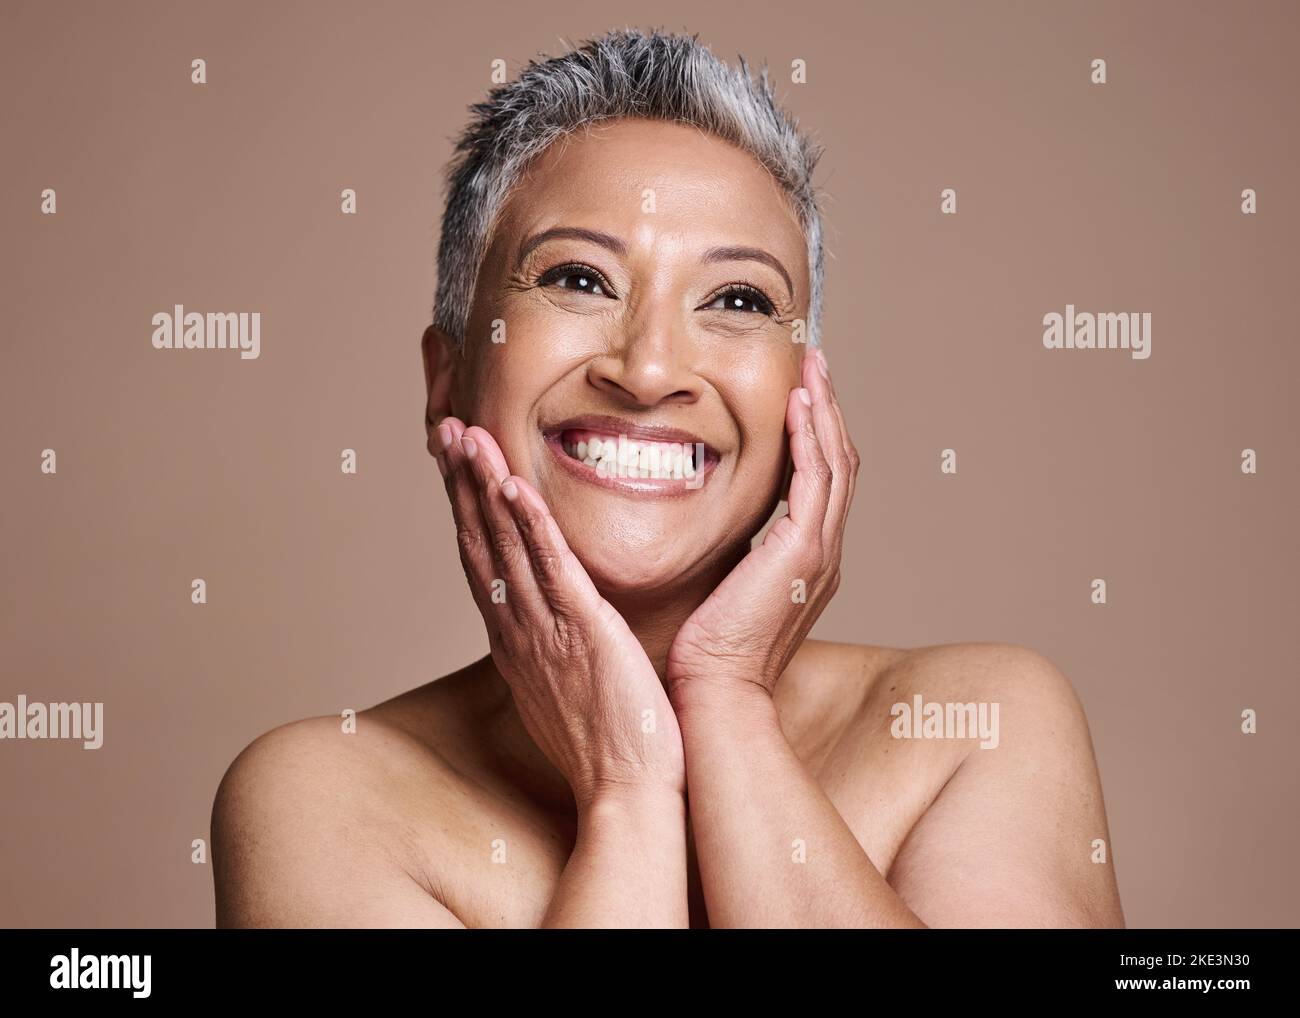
x: 619, y: 572
x: 656, y: 573
x: 636, y: 530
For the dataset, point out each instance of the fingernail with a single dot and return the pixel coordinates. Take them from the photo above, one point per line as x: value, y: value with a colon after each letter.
x: 471, y: 450
x: 444, y: 436
x: 509, y: 490
x: 821, y: 364
x: 806, y: 397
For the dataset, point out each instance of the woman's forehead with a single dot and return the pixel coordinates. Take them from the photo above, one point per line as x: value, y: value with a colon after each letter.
x: 652, y: 179
x: 630, y: 155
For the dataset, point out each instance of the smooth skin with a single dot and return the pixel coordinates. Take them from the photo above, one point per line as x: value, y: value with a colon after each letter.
x: 652, y: 739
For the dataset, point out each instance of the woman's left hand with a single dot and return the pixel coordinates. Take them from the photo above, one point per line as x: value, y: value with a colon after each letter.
x: 750, y: 627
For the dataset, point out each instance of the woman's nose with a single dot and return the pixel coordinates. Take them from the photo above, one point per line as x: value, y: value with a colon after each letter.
x: 649, y: 369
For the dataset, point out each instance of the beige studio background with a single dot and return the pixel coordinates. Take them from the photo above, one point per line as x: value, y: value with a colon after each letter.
x: 329, y: 591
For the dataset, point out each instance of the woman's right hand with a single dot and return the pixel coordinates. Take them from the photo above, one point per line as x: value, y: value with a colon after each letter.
x: 583, y: 685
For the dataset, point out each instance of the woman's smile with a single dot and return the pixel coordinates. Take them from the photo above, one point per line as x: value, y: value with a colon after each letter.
x: 637, y: 459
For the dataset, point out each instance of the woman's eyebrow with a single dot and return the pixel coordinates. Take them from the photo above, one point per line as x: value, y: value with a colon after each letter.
x: 570, y: 233
x: 612, y: 243
x: 749, y: 254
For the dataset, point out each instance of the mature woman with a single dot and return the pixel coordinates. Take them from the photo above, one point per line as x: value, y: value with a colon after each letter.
x: 625, y: 377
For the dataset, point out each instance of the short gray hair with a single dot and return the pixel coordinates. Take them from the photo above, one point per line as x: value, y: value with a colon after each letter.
x: 624, y: 73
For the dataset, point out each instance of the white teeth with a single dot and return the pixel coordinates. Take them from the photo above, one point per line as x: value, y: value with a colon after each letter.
x: 623, y: 458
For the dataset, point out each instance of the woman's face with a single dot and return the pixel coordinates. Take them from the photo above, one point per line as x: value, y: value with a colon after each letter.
x: 642, y: 279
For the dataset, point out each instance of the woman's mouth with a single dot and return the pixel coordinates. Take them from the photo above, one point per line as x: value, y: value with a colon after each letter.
x: 633, y: 458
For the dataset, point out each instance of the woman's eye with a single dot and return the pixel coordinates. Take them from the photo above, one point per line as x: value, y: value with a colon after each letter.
x: 741, y: 299
x: 575, y: 277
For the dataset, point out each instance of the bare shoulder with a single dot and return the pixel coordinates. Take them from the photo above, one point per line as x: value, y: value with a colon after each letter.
x: 316, y: 823
x: 855, y: 681
x: 990, y: 673
x: 1019, y: 825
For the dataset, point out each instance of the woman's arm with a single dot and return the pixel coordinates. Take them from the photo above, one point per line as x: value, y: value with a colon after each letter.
x: 1017, y: 836
x: 773, y: 850
x: 583, y: 686
x: 628, y: 868
x: 755, y: 810
x: 1011, y: 838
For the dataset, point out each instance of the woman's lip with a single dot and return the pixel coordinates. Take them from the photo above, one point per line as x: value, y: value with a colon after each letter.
x: 664, y: 487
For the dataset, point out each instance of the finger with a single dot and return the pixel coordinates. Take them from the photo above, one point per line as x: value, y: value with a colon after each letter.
x: 810, y: 484
x: 510, y: 555
x: 830, y: 439
x: 845, y: 438
x: 559, y: 575
x: 443, y: 436
x: 833, y: 434
x: 851, y: 451
x: 471, y: 529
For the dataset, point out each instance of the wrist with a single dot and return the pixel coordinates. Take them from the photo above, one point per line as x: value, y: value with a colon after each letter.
x: 717, y: 700
x: 629, y: 805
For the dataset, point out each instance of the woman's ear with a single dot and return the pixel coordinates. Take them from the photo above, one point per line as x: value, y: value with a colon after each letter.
x: 440, y: 360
